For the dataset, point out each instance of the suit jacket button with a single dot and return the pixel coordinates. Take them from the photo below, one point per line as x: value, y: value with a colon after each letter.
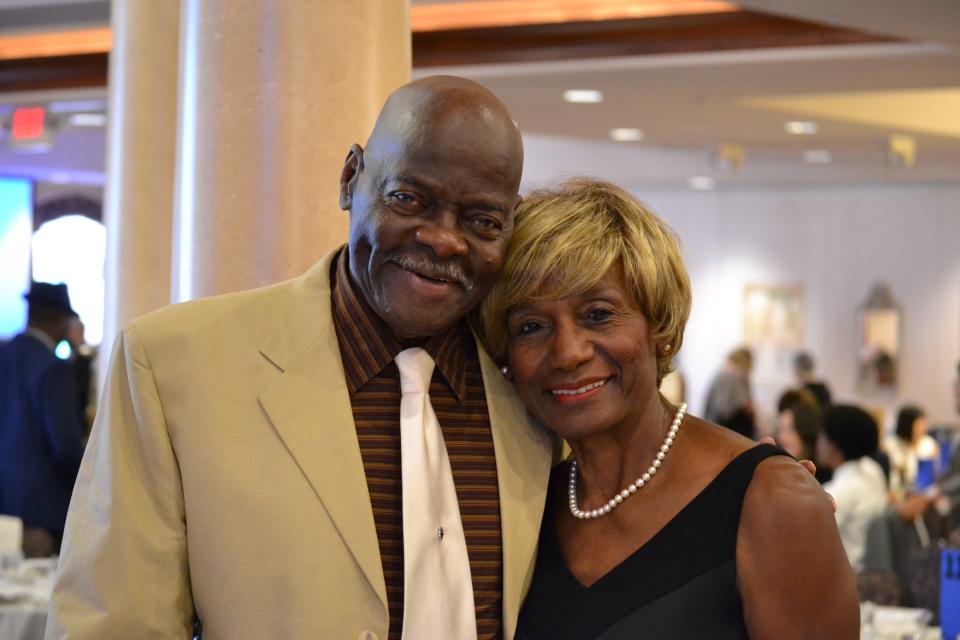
x: 367, y: 635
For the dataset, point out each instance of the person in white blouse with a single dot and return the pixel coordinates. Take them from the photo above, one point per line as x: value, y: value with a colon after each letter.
x: 908, y: 447
x: 848, y: 436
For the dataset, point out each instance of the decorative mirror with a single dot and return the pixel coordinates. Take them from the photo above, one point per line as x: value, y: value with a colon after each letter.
x: 880, y: 323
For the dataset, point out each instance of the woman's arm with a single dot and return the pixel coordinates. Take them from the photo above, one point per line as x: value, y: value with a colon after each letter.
x: 795, y: 579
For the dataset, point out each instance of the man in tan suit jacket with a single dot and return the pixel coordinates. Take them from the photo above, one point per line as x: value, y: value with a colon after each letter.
x: 223, y: 478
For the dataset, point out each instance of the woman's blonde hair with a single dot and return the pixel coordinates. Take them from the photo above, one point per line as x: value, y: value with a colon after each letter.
x: 566, y: 239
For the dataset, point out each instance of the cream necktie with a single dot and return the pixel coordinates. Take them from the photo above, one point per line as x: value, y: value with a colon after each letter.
x: 437, y: 587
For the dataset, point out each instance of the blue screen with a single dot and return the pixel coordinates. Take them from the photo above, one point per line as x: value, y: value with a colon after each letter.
x: 16, y: 213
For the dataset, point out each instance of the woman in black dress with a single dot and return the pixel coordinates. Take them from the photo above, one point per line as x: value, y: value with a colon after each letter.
x: 662, y: 525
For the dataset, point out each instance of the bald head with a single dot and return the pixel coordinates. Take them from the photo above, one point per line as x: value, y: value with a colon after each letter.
x: 431, y: 202
x: 451, y: 104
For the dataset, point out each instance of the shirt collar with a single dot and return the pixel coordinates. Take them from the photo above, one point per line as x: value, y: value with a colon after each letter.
x: 859, y: 466
x: 368, y: 345
x: 37, y: 334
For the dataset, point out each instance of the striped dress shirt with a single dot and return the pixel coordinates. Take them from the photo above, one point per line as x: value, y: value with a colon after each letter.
x: 367, y: 348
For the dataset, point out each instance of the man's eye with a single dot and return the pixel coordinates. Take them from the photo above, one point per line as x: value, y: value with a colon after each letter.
x: 403, y: 198
x: 404, y: 202
x: 487, y: 226
x: 485, y: 222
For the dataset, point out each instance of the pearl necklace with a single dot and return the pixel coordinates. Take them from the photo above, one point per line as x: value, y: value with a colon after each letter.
x: 615, y: 501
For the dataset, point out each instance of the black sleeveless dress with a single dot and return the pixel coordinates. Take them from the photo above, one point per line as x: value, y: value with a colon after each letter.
x: 680, y: 585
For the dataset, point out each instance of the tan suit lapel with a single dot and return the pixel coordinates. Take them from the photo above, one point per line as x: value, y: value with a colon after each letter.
x: 524, y: 454
x: 309, y: 406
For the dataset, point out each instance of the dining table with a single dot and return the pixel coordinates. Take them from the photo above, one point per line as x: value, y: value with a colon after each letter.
x: 896, y: 623
x: 25, y: 589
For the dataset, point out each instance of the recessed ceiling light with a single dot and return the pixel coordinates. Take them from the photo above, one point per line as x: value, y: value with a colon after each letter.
x: 586, y: 96
x: 626, y: 135
x: 801, y: 127
x: 701, y: 183
x: 87, y: 119
x: 817, y: 156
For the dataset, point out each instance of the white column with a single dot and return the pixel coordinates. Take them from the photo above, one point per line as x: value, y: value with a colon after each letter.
x: 141, y: 152
x: 272, y: 95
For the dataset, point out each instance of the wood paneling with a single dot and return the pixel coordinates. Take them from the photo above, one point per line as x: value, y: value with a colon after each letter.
x: 60, y: 72
x: 674, y: 34
x: 523, y: 43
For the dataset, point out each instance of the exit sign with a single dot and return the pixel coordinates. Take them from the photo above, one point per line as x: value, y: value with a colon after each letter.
x: 28, y: 124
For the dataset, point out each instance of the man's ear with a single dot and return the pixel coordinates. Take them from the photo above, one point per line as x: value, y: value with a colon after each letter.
x: 349, y: 176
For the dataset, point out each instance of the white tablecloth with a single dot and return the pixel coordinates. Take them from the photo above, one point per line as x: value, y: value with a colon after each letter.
x: 22, y: 620
x: 24, y: 598
x: 895, y: 623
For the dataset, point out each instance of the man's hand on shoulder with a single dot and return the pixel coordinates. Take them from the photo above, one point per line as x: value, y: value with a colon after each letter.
x: 806, y: 464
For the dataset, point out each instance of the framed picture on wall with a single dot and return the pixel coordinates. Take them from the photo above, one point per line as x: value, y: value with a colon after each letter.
x: 773, y: 316
x: 773, y: 328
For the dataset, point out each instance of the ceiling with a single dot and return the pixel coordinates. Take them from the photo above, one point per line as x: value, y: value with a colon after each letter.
x: 687, y: 105
x: 920, y: 20
x: 690, y: 104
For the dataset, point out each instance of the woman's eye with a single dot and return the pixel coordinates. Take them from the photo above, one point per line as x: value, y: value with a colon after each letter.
x: 528, y: 327
x: 599, y: 314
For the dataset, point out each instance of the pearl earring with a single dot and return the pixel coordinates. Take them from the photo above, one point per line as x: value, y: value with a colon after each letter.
x: 505, y: 370
x: 666, y: 348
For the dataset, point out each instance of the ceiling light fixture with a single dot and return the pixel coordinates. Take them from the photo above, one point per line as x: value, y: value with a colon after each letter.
x: 729, y: 156
x: 583, y: 96
x: 626, y: 134
x: 800, y: 127
x: 60, y: 177
x: 87, y: 120
x: 902, y: 150
x: 472, y: 14
x: 817, y: 156
x: 702, y: 183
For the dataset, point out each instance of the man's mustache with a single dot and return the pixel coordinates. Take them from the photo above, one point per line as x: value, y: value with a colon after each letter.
x: 451, y: 271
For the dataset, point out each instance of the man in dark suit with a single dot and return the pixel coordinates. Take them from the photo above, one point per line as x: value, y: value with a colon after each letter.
x: 41, y: 438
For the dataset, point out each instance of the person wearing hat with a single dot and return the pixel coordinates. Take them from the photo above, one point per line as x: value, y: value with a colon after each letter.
x: 41, y: 437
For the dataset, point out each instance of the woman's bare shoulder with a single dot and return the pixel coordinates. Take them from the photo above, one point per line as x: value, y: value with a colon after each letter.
x: 719, y: 442
x: 795, y: 578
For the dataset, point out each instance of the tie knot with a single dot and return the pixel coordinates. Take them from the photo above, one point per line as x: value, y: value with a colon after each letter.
x: 416, y: 369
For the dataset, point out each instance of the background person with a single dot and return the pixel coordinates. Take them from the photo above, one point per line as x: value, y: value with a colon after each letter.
x: 798, y: 426
x: 729, y: 401
x: 848, y: 437
x: 944, y: 495
x: 803, y: 369
x: 82, y: 360
x: 909, y: 447
x: 663, y: 525
x: 41, y: 437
